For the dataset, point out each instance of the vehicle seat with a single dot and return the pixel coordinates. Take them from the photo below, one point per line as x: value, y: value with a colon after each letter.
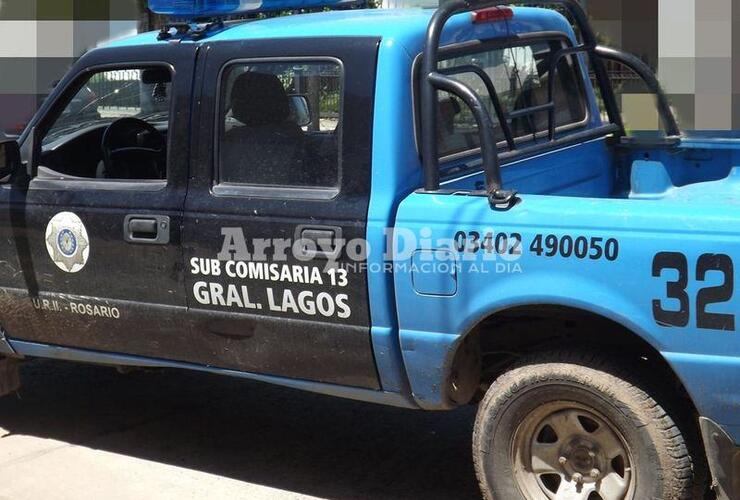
x: 269, y: 146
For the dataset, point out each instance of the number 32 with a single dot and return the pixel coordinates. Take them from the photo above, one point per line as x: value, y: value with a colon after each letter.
x: 710, y: 295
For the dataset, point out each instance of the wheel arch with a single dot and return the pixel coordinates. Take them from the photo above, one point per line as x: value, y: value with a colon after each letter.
x: 496, y: 340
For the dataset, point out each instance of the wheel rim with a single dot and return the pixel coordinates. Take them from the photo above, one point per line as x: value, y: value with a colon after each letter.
x: 566, y: 451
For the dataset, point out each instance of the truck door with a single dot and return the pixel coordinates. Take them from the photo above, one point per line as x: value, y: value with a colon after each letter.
x: 281, y: 179
x: 97, y: 232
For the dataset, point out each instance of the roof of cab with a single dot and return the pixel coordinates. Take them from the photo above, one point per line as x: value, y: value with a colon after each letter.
x: 407, y: 26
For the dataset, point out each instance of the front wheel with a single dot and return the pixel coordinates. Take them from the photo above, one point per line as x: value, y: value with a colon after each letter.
x: 568, y: 426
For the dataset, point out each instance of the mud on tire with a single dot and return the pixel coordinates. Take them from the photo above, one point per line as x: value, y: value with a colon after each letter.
x: 583, y: 427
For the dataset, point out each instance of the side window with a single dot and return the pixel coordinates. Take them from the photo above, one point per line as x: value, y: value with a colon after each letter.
x: 520, y: 75
x: 115, y: 127
x: 280, y: 124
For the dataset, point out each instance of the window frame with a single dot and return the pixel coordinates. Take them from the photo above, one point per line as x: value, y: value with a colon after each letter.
x: 57, y: 107
x: 230, y: 189
x: 477, y: 46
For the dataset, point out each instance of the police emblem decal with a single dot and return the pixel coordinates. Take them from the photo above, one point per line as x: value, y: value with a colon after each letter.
x: 67, y: 242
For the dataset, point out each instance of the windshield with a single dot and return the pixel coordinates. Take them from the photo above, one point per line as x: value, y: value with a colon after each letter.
x: 110, y: 95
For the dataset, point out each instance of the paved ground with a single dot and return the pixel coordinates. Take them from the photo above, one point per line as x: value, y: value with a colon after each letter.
x: 84, y: 432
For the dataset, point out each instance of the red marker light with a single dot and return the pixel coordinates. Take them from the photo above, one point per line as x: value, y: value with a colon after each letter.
x: 492, y: 15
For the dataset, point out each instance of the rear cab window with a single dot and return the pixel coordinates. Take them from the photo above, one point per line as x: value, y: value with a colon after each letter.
x: 520, y: 74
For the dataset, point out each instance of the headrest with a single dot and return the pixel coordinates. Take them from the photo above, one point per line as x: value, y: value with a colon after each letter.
x: 259, y: 99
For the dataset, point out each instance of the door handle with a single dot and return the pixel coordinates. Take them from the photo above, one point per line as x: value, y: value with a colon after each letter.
x: 321, y: 242
x: 143, y: 228
x: 147, y: 229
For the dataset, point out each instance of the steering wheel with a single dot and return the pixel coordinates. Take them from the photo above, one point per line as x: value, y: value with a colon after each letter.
x: 133, y: 149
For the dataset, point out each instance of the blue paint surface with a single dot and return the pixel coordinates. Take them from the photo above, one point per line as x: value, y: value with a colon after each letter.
x: 399, y: 26
x: 434, y: 272
x: 692, y: 219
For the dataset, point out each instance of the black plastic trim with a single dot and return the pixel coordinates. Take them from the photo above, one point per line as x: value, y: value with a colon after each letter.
x: 723, y: 456
x: 228, y: 189
x: 49, y: 179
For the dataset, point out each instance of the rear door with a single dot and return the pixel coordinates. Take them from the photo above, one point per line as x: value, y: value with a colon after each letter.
x: 281, y: 180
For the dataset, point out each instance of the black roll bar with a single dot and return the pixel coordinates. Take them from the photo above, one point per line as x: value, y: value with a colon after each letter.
x: 635, y: 64
x: 489, y: 148
x: 551, y: 83
x: 429, y: 66
x: 646, y: 73
x: 432, y: 78
x: 500, y: 113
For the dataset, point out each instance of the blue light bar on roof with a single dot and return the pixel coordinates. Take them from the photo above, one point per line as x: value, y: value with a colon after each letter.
x: 211, y: 8
x: 204, y: 8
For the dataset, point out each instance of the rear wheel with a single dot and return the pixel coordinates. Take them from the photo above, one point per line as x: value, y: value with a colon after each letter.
x: 567, y: 426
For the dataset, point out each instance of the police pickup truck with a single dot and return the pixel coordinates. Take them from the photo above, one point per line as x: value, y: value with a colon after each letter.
x: 419, y: 208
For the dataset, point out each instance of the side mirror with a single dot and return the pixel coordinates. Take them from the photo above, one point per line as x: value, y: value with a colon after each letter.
x: 300, y: 111
x: 10, y: 157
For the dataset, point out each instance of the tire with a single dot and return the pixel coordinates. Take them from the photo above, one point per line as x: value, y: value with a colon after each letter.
x: 575, y: 424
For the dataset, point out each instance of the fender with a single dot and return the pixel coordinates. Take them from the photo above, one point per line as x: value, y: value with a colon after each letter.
x: 428, y: 355
x: 625, y: 288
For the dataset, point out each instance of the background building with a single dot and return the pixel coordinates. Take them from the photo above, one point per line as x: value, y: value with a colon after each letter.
x: 693, y: 44
x: 42, y: 38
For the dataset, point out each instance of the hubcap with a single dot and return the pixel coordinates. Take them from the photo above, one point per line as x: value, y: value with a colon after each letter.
x: 565, y: 451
